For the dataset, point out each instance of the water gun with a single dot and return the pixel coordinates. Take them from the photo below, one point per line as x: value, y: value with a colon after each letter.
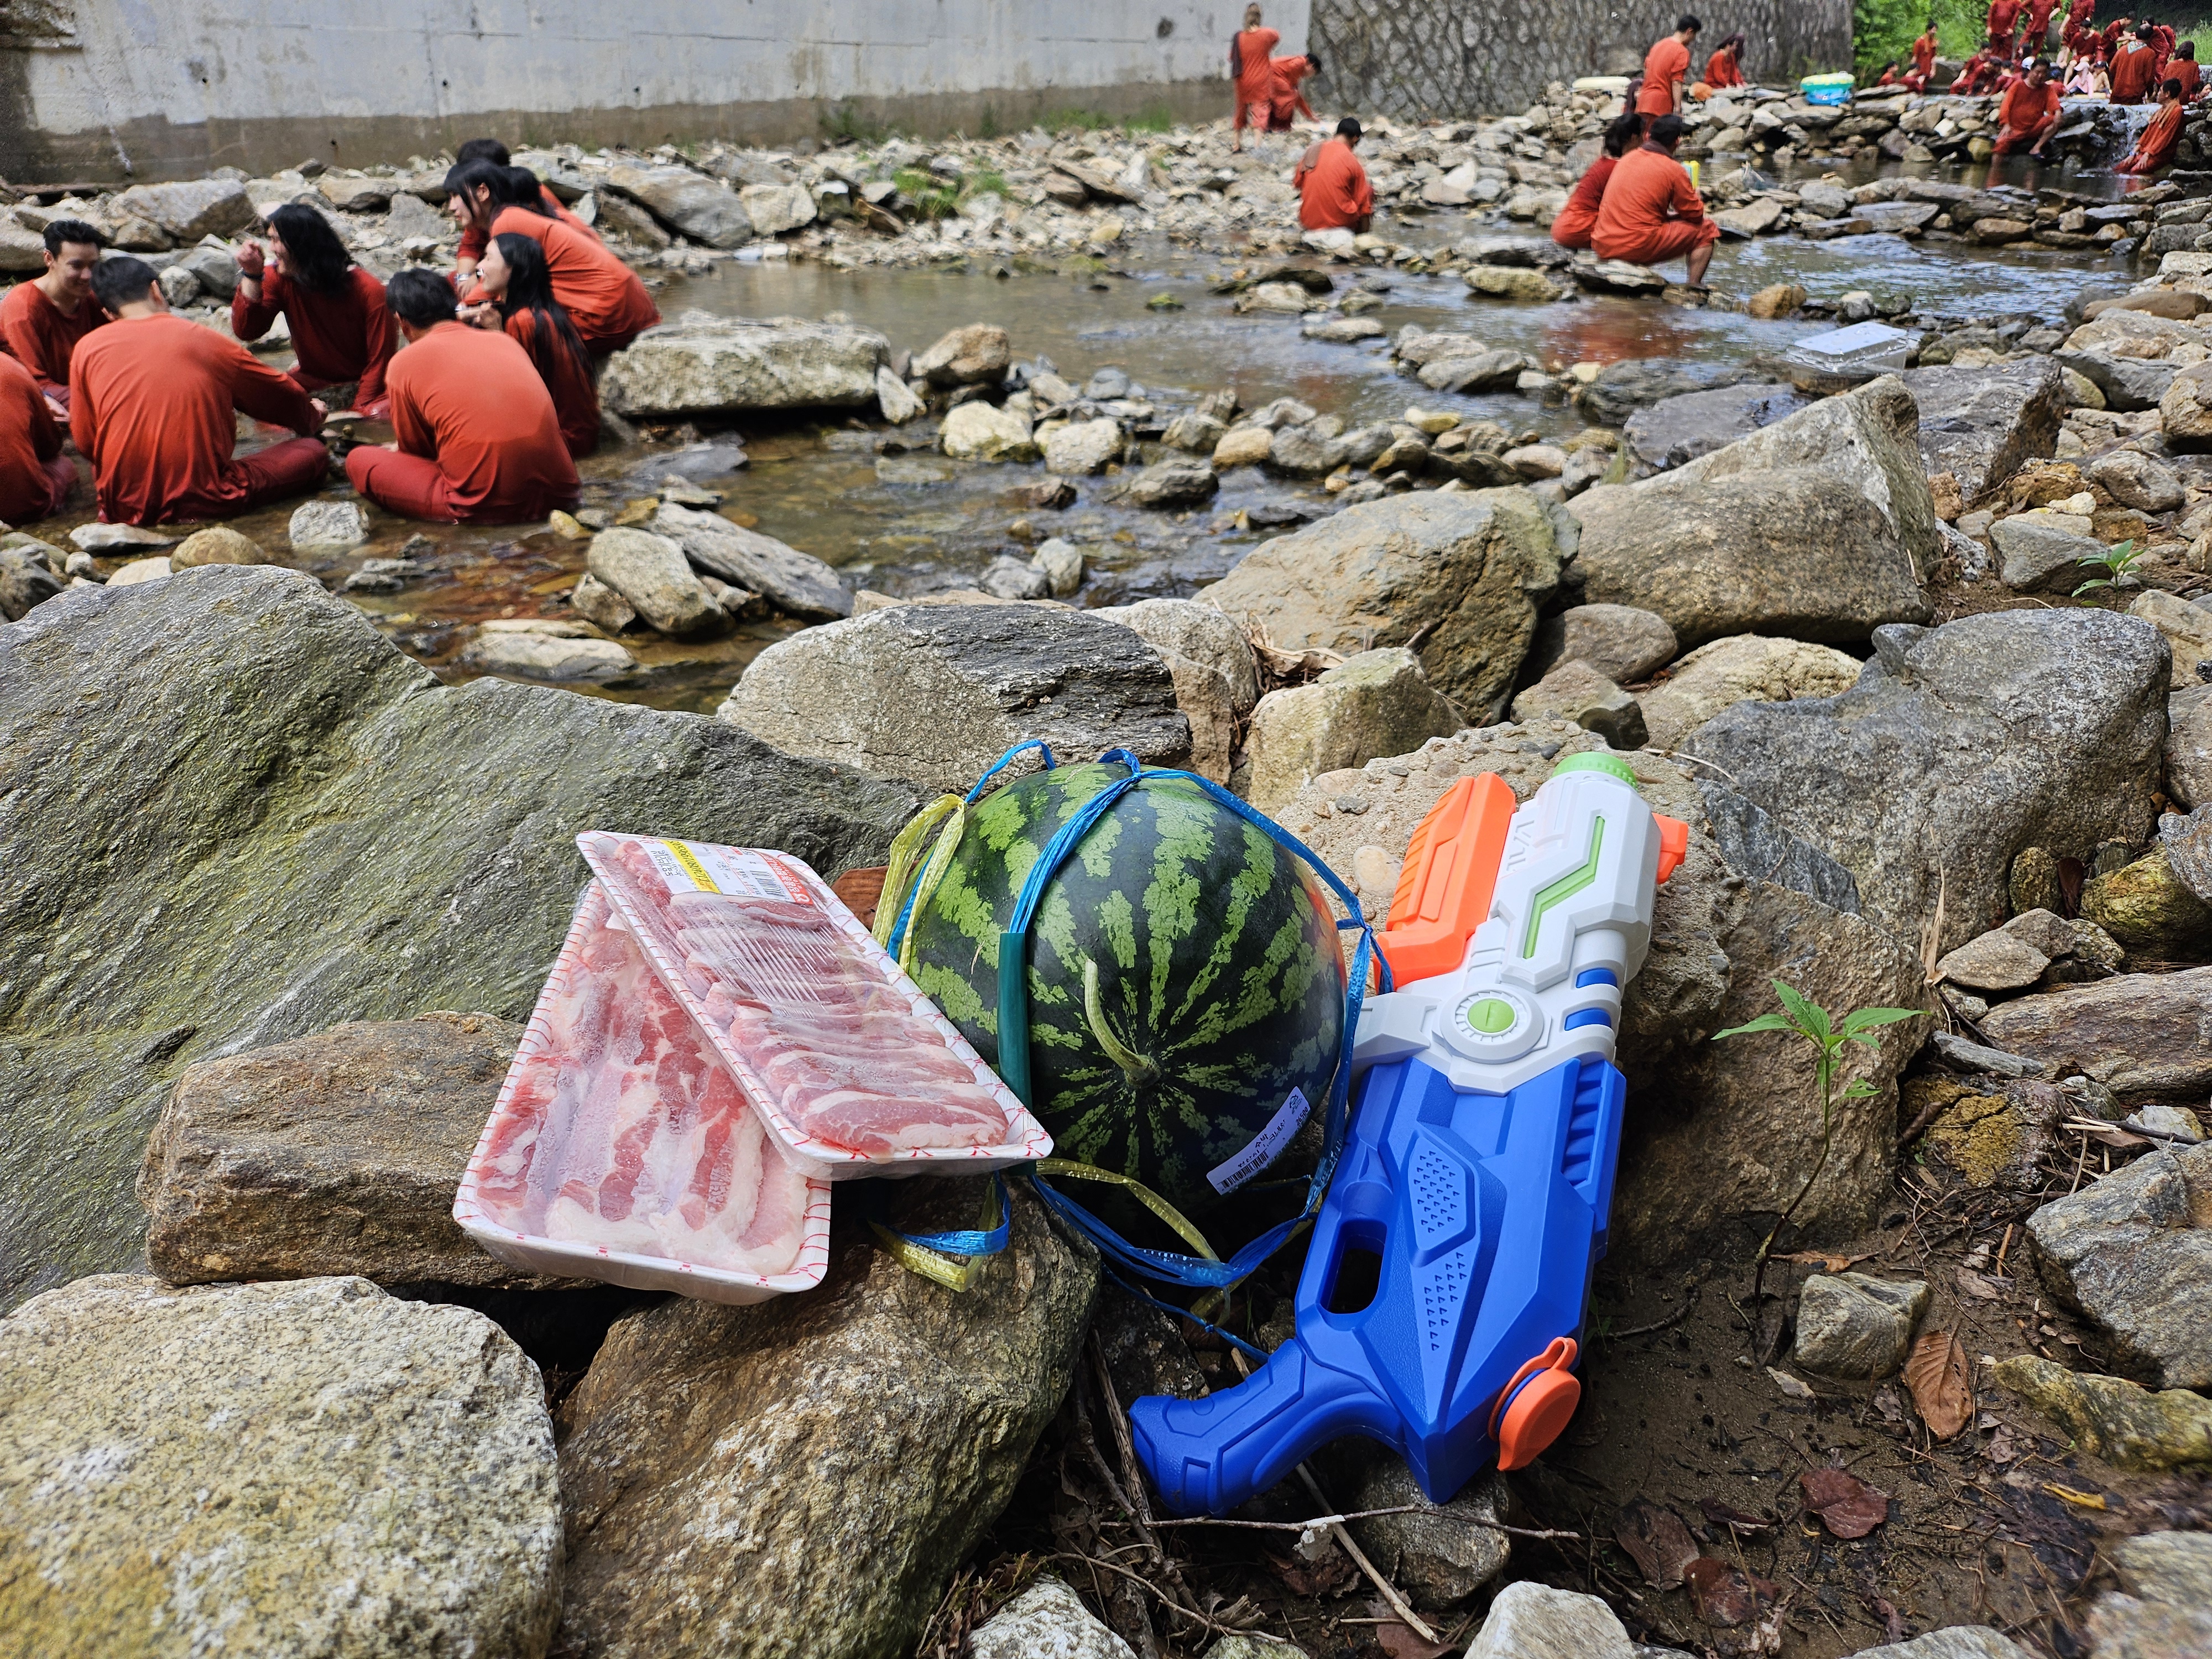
x: 1441, y: 1307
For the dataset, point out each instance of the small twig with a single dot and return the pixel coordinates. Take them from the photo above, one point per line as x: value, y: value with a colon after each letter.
x: 1440, y: 1512
x: 2010, y: 1226
x: 1674, y: 1318
x: 1398, y: 1603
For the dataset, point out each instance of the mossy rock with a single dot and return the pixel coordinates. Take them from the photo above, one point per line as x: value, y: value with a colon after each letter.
x: 2146, y: 907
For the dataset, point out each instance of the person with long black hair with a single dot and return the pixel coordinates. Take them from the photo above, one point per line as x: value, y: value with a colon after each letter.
x: 602, y: 295
x: 471, y: 253
x: 341, y: 331
x: 519, y: 290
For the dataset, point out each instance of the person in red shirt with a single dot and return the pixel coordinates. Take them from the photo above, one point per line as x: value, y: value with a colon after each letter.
x: 520, y: 300
x: 1250, y: 68
x: 2134, y: 69
x: 2184, y: 69
x: 155, y: 402
x: 1578, y: 218
x: 603, y: 296
x: 472, y: 239
x: 1288, y: 100
x: 34, y: 474
x: 2161, y: 137
x: 42, y: 320
x: 2035, y: 29
x: 341, y: 332
x: 2028, y: 114
x: 2004, y: 18
x: 1652, y: 212
x: 1923, y: 60
x: 1666, y: 67
x: 479, y: 440
x: 1976, y: 75
x: 2110, y: 41
x: 1333, y: 193
x: 1724, y: 69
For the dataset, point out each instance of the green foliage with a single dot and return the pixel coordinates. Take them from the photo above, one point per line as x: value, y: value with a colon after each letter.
x: 2117, y: 562
x: 1158, y: 117
x: 846, y: 125
x: 930, y: 196
x: 988, y: 126
x: 988, y: 182
x: 1059, y: 121
x: 1883, y: 30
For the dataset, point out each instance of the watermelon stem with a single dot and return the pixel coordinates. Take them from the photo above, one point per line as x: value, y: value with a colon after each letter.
x: 1140, y: 1069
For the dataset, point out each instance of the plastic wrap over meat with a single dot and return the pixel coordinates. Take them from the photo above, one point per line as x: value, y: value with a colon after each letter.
x: 846, y: 1060
x: 620, y: 1136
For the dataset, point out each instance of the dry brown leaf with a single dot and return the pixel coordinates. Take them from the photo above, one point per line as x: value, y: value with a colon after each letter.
x: 1942, y: 1382
x: 1658, y: 1540
x: 1333, y: 1573
x: 1734, y: 1520
x: 1401, y: 1641
x: 1723, y: 1594
x: 1982, y: 1286
x: 1847, y: 1506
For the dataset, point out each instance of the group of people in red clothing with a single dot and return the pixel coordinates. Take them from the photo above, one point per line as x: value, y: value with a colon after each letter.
x: 1268, y: 98
x: 490, y: 402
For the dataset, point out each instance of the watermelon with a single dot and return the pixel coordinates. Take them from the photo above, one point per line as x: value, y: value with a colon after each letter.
x: 1184, y: 977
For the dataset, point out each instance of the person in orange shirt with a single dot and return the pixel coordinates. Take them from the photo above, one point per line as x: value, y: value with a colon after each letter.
x: 1652, y: 212
x: 2183, y: 68
x: 2036, y: 31
x: 42, y: 320
x: 602, y: 295
x: 1724, y: 69
x: 472, y: 239
x: 479, y: 440
x: 1288, y: 100
x: 2161, y: 137
x: 1249, y: 67
x: 520, y: 302
x: 2004, y: 18
x: 1578, y: 218
x: 155, y: 402
x: 2028, y: 112
x: 1333, y: 193
x: 1666, y: 67
x: 2135, y: 67
x: 1923, y: 60
x: 341, y: 332
x: 1978, y: 76
x: 34, y: 474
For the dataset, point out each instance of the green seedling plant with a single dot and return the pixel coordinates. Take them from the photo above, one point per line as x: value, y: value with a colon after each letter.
x: 2117, y: 562
x: 1807, y: 1020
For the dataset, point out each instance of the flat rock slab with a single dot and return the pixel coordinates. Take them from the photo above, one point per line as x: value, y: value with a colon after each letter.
x: 1677, y: 430
x: 297, y: 826
x: 788, y: 579
x: 1983, y: 425
x: 2137, y: 1034
x: 707, y: 365
x: 313, y: 1468
x: 338, y: 1153
x: 804, y: 1475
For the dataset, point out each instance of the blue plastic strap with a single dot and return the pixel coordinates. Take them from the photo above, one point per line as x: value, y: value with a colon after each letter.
x: 1207, y: 1325
x: 1006, y: 759
x: 971, y: 1240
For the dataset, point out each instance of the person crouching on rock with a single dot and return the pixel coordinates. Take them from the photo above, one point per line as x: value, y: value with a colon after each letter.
x: 341, y: 331
x: 2028, y: 112
x: 1333, y: 190
x: 479, y: 440
x: 1652, y: 212
x: 155, y: 402
x: 519, y: 299
x: 1578, y: 218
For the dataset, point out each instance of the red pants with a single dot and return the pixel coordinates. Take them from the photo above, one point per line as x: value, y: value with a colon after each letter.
x: 290, y: 468
x: 37, y: 494
x: 1669, y: 241
x: 413, y: 488
x: 1255, y: 114
x: 1573, y: 226
x: 2013, y: 140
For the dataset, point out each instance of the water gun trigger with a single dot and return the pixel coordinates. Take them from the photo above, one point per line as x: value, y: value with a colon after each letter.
x: 1447, y: 880
x: 1673, y: 843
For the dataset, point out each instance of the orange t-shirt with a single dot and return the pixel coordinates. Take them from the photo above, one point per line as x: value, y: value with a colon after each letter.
x: 1255, y: 75
x: 1668, y: 61
x: 1648, y: 189
x: 1923, y: 54
x: 2158, y: 140
x: 1287, y: 97
x: 602, y: 295
x: 1721, y: 69
x: 37, y: 335
x: 471, y: 400
x: 1333, y: 193
x: 154, y: 404
x: 2133, y: 71
x: 28, y: 440
x: 2023, y: 107
x: 474, y: 241
x: 575, y: 400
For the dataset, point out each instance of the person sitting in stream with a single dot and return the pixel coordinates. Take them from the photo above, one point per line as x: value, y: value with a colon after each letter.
x: 1333, y: 193
x: 341, y: 331
x: 479, y: 441
x: 1578, y: 218
x: 34, y: 474
x: 603, y: 296
x: 2154, y: 149
x: 519, y: 299
x: 1651, y: 212
x: 2028, y: 112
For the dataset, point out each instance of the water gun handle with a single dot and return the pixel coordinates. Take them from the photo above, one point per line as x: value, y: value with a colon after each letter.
x: 1209, y: 1456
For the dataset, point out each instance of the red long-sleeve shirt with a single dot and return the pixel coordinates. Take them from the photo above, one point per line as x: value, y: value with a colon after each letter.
x: 575, y: 400
x: 155, y: 403
x: 28, y: 440
x: 1287, y: 100
x: 1578, y: 218
x: 37, y: 335
x: 344, y: 335
x: 1666, y: 63
x: 1723, y: 69
x: 602, y: 295
x: 2134, y: 68
x: 1333, y: 193
x: 471, y: 400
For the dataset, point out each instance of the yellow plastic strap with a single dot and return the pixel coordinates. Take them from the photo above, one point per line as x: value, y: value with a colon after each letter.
x: 1144, y: 1195
x: 905, y: 861
x: 924, y: 888
x: 955, y: 1272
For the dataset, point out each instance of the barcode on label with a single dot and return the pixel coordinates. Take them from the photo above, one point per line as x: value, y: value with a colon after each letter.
x: 1264, y: 1147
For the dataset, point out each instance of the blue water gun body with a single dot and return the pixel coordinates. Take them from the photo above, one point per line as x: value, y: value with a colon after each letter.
x: 1440, y: 1306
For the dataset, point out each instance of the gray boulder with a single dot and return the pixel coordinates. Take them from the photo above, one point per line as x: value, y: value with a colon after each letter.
x: 1370, y: 707
x: 652, y: 574
x: 191, y: 208
x: 1046, y: 1618
x: 2189, y: 745
x: 2133, y: 1254
x: 311, y: 1468
x: 1082, y: 447
x: 1173, y: 483
x: 1754, y: 844
x: 1619, y: 640
x: 1676, y: 430
x: 1622, y: 388
x: 791, y: 581
x: 25, y: 580
x: 1306, y: 452
x: 2174, y: 1567
x: 558, y: 653
x: 2128, y: 383
x: 2041, y: 551
x: 1983, y: 425
x: 2134, y: 479
x: 1743, y: 668
x: 1467, y: 570
x: 233, y: 841
x: 1439, y: 1553
x: 1529, y: 1620
x: 2137, y: 1034
x: 703, y: 364
x: 775, y: 209
x: 711, y: 1457
x: 1197, y: 631
x: 1857, y: 1327
x: 2062, y: 714
x: 1576, y: 691
x: 1814, y: 527
x: 977, y: 354
x: 935, y: 693
x: 689, y: 204
x: 337, y: 1153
